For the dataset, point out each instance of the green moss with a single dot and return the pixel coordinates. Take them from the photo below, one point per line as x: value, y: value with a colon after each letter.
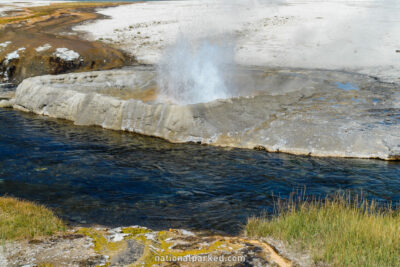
x: 104, y: 247
x: 135, y: 230
x: 149, y: 257
x: 45, y: 264
x: 101, y: 245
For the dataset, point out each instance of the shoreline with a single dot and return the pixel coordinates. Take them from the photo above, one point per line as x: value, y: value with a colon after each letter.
x: 46, y: 241
x: 305, y: 232
x: 282, y: 120
x: 43, y: 34
x: 106, y: 99
x: 70, y: 60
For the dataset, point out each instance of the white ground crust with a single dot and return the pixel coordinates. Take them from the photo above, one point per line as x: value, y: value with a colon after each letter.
x: 66, y: 54
x: 356, y: 35
x: 43, y: 48
x: 14, y: 54
x: 5, y: 44
x: 14, y: 5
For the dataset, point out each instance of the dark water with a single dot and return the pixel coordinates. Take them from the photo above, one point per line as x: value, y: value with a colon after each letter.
x: 113, y: 178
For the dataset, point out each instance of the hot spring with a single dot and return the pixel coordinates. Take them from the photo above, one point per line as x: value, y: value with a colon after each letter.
x: 196, y: 71
x: 298, y: 111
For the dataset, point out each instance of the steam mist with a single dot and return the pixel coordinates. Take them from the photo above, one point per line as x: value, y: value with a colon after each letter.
x: 357, y: 36
x: 192, y: 71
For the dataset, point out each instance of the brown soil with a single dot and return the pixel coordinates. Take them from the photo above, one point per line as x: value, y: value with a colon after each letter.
x: 36, y: 26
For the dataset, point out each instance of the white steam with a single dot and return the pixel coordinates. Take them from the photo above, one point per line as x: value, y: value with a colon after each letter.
x: 193, y: 71
x: 194, y: 68
x: 360, y: 36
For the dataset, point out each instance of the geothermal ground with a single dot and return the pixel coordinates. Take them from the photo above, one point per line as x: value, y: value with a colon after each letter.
x: 313, y: 78
x: 316, y: 113
x: 358, y: 36
x: 36, y: 39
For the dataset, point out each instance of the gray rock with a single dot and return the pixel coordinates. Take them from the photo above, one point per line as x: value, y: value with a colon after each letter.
x: 307, y: 112
x: 130, y: 255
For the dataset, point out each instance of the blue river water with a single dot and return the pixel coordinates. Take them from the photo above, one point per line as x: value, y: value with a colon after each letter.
x: 94, y: 176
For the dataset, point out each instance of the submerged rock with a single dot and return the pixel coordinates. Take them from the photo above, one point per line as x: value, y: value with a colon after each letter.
x: 308, y: 112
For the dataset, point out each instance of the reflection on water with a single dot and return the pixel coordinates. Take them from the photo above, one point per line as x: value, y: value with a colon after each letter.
x: 113, y: 178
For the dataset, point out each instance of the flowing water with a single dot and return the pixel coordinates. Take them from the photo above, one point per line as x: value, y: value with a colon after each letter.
x: 90, y: 175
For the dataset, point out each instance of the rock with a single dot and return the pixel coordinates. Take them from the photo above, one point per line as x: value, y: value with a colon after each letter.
x: 6, y: 104
x: 144, y: 247
x: 32, y: 63
x: 7, y: 92
x: 131, y: 254
x: 6, y: 95
x: 62, y: 250
x: 140, y: 247
x: 307, y: 112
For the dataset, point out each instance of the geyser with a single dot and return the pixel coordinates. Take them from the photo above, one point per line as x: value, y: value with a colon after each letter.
x: 194, y: 71
x: 294, y: 111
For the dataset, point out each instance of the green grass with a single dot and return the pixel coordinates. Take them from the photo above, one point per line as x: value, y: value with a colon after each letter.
x: 339, y: 231
x: 21, y: 219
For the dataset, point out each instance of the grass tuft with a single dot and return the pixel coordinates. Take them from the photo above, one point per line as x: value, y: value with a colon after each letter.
x: 339, y: 231
x: 20, y: 219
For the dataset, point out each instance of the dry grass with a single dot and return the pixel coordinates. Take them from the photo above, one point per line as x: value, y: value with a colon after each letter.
x: 53, y: 9
x: 21, y: 219
x: 339, y: 231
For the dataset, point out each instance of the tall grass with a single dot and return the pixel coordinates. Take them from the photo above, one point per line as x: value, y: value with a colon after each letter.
x: 339, y: 231
x: 21, y: 219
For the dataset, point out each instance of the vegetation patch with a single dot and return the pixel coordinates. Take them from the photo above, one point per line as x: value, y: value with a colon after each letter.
x: 101, y: 244
x: 20, y: 219
x: 134, y: 231
x: 166, y: 243
x: 339, y: 231
x: 159, y: 245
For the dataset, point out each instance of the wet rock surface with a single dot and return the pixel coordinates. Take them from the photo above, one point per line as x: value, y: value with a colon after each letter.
x: 140, y: 246
x: 7, y: 92
x: 309, y: 112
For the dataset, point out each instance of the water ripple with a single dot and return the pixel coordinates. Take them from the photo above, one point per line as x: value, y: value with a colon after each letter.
x: 92, y: 175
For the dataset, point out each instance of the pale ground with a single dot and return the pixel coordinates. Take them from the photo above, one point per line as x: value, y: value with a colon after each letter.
x: 356, y: 35
x: 136, y: 246
x: 8, y: 5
